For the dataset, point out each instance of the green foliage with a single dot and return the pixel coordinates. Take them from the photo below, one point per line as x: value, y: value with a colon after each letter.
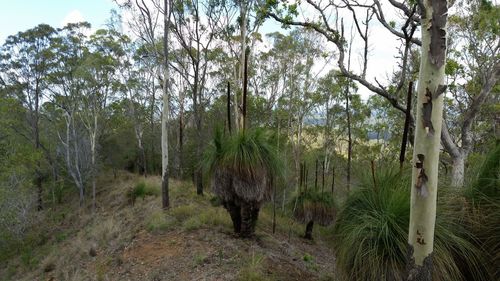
x: 484, y: 217
x: 371, y: 234
x: 248, y: 152
x: 253, y: 269
x: 141, y: 190
x: 487, y: 184
x: 158, y: 222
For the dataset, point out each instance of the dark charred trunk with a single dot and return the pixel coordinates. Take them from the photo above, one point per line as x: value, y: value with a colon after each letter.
x: 419, y: 272
x: 333, y: 178
x: 316, y: 176
x: 406, y: 127
x: 229, y: 107
x: 36, y: 131
x: 349, y: 139
x: 309, y: 230
x: 235, y: 213
x: 199, y: 181
x: 249, y: 216
x: 164, y: 188
x: 181, y: 140
x: 245, y: 90
x: 323, y: 177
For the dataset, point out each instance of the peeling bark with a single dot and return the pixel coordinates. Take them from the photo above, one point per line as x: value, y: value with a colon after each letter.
x: 437, y: 29
x: 427, y: 141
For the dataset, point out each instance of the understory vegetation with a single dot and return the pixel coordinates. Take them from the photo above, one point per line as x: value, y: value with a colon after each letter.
x: 249, y: 140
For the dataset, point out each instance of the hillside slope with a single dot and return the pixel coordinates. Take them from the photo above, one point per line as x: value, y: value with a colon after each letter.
x: 191, y: 241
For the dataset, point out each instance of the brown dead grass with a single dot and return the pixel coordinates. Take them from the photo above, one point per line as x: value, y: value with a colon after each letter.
x: 195, y: 242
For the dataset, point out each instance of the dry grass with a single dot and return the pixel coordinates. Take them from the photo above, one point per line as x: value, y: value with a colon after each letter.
x: 82, y: 246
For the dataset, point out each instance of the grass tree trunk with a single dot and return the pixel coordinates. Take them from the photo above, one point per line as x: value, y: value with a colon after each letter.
x: 165, y: 110
x: 427, y: 140
x: 309, y: 230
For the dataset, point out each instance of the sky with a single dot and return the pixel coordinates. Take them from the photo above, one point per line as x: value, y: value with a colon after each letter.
x: 20, y: 15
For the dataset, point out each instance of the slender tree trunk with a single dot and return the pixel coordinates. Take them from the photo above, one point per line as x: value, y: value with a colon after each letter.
x: 406, y: 127
x: 152, y: 125
x: 349, y: 141
x: 427, y: 140
x: 36, y: 131
x: 245, y: 92
x: 228, y: 109
x: 93, y: 161
x: 165, y: 109
x: 333, y: 178
x: 243, y: 37
x: 316, y: 176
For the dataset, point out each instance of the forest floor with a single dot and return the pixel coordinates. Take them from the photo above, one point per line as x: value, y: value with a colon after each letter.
x: 191, y: 241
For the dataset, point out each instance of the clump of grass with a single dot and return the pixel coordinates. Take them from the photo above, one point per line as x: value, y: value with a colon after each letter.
x: 184, y: 212
x: 253, y: 269
x: 484, y: 194
x: 159, y: 222
x: 200, y: 259
x: 371, y: 234
x: 141, y: 190
x: 192, y: 223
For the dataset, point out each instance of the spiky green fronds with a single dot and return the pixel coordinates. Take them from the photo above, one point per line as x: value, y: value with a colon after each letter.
x: 487, y: 184
x: 243, y: 164
x: 484, y: 220
x: 371, y: 234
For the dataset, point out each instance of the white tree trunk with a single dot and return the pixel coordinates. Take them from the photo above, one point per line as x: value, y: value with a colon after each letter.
x: 427, y: 140
x: 458, y: 171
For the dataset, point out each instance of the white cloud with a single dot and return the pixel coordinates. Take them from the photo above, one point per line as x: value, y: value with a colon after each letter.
x: 72, y: 17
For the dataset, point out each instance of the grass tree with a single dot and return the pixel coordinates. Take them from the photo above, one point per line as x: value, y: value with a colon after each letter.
x: 370, y: 233
x: 314, y: 206
x: 427, y: 139
x: 243, y: 167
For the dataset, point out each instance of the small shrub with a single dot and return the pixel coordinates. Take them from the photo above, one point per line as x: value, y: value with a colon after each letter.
x: 199, y: 259
x: 253, y: 269
x: 141, y: 190
x: 159, y: 222
x: 184, y: 212
x: 192, y: 223
x: 215, y: 201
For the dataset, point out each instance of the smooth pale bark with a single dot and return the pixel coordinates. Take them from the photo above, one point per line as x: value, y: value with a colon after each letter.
x: 458, y: 171
x: 165, y: 110
x: 427, y: 140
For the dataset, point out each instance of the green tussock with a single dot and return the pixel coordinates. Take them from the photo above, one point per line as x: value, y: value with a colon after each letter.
x: 371, y: 234
x: 247, y: 152
x: 484, y: 220
x: 141, y: 190
x: 487, y: 184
